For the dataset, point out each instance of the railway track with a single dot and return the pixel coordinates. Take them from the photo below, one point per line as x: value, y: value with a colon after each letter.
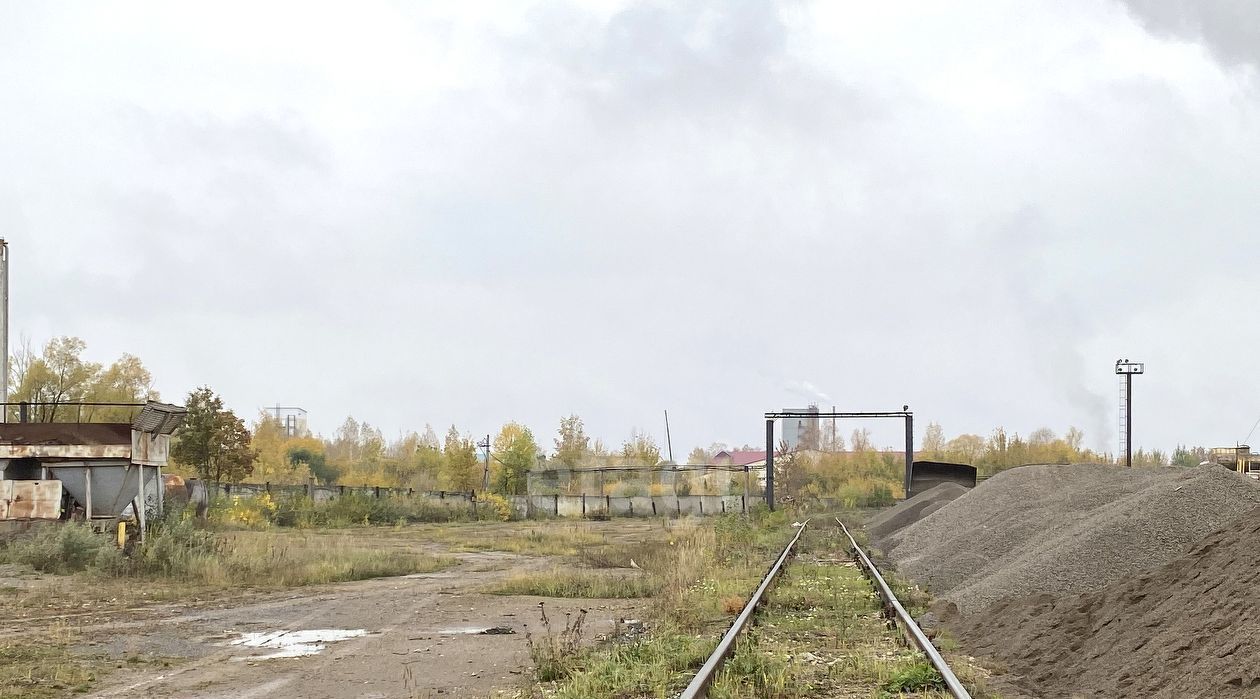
x: 898, y: 613
x: 699, y: 686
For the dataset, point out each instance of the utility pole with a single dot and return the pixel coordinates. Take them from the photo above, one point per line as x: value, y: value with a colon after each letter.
x: 4, y: 327
x: 1127, y: 369
x: 669, y: 444
x: 770, y: 463
x: 485, y: 478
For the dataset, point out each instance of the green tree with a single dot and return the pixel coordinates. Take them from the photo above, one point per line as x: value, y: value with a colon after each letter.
x: 316, y: 463
x: 572, y: 445
x: 213, y: 440
x: 933, y: 446
x: 515, y: 453
x: 641, y: 447
x: 124, y: 381
x: 860, y: 440
x: 60, y: 375
x: 966, y: 448
x: 699, y: 456
x: 461, y: 470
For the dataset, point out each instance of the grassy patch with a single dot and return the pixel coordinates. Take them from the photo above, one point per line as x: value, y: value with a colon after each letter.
x: 182, y: 552
x: 43, y: 667
x: 645, y: 667
x: 541, y: 541
x: 354, y: 509
x: 695, y: 570
x: 577, y: 583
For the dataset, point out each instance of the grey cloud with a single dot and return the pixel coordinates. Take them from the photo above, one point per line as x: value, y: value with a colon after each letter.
x: 1230, y: 29
x: 680, y: 206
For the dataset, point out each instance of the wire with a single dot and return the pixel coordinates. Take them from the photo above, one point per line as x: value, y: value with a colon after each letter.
x: 1253, y: 431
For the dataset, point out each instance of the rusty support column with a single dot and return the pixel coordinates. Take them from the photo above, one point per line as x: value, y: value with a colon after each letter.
x: 140, y: 505
x: 909, y: 450
x: 87, y: 482
x: 770, y: 463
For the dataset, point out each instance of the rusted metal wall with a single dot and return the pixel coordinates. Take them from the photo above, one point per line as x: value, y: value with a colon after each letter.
x: 65, y: 451
x: 149, y: 449
x: 30, y: 500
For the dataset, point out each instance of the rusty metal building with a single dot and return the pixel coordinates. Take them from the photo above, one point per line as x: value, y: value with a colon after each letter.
x: 99, y: 471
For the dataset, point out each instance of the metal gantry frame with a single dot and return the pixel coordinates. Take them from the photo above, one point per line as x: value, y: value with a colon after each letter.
x: 773, y: 417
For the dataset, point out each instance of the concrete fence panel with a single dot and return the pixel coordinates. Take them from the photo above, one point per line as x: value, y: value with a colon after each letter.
x: 569, y: 506
x: 688, y: 505
x: 619, y: 507
x: 642, y: 506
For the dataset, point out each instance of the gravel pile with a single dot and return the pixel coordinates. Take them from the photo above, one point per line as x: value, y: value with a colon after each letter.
x: 1064, y: 529
x: 888, y: 522
x: 1184, y: 629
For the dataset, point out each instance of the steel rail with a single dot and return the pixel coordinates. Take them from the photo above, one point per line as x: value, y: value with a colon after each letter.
x: 907, y: 622
x: 699, y: 686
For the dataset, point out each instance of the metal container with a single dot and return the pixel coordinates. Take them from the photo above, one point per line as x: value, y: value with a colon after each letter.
x: 106, y: 488
x: 30, y: 500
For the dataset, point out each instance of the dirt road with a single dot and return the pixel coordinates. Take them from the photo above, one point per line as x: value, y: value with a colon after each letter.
x: 409, y: 637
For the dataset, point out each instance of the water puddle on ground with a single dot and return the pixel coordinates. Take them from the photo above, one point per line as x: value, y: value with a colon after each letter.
x: 293, y: 644
x: 477, y: 631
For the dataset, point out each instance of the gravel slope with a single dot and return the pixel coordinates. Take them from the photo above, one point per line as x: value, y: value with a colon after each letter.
x: 1064, y: 529
x: 1186, y: 629
x: 886, y: 524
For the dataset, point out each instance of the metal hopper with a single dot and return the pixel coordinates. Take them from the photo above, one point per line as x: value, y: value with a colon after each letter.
x: 105, y: 467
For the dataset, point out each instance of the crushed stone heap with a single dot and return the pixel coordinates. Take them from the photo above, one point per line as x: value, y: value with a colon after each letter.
x: 907, y: 512
x: 1184, y: 629
x: 1049, y: 529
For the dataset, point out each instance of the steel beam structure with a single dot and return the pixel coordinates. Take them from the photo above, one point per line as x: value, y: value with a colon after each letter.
x: 774, y: 416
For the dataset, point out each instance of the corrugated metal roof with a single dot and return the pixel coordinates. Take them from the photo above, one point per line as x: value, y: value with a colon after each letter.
x: 740, y: 457
x: 159, y: 418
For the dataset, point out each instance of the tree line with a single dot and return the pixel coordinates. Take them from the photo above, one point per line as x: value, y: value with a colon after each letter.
x: 217, y: 445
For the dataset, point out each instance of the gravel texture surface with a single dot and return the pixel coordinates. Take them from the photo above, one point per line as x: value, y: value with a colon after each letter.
x: 1185, y: 629
x: 1064, y: 529
x: 885, y: 524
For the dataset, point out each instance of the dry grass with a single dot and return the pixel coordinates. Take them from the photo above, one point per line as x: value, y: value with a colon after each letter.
x: 41, y: 666
x: 187, y: 564
x: 699, y: 566
x: 587, y: 584
x: 546, y: 538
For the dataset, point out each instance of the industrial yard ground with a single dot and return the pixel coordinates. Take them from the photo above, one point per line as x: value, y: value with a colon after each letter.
x: 1043, y: 581
x: 91, y: 635
x: 633, y: 607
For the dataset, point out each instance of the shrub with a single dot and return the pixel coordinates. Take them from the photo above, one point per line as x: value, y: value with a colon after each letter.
x: 248, y: 512
x: 61, y: 548
x: 175, y: 548
x: 918, y: 677
x: 624, y: 489
x: 498, y: 505
x: 556, y: 654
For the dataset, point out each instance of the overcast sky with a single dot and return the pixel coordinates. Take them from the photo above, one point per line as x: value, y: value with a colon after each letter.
x: 471, y: 213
